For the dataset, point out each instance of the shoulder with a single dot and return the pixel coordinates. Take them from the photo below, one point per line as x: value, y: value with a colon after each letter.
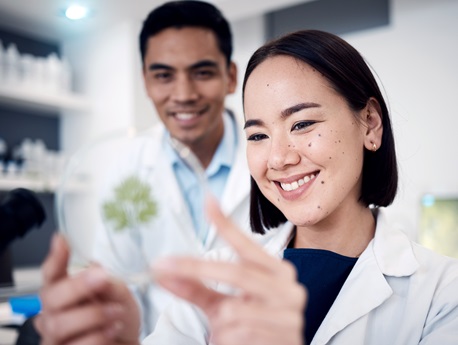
x: 144, y: 143
x: 443, y: 268
x: 399, y: 256
x: 436, y: 281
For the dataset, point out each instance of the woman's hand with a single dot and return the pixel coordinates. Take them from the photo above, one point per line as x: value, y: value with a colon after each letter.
x: 269, y: 305
x: 87, y: 308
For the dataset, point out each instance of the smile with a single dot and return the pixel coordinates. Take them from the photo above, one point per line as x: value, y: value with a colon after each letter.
x: 187, y: 115
x: 296, y: 184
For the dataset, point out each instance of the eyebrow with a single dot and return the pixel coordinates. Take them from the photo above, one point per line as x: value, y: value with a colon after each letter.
x: 156, y: 66
x: 199, y: 64
x: 203, y: 63
x: 298, y: 107
x: 253, y: 123
x: 284, y: 113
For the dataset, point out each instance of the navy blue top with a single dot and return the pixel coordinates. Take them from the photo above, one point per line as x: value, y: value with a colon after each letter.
x: 323, y: 273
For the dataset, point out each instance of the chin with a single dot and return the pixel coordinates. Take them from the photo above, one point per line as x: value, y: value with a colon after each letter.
x: 304, y: 219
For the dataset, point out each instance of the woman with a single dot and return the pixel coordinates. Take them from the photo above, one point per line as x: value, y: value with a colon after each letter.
x: 321, y: 156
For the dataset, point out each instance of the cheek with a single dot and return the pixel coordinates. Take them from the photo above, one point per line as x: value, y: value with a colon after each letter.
x: 157, y: 95
x: 215, y: 90
x: 331, y: 146
x: 257, y: 162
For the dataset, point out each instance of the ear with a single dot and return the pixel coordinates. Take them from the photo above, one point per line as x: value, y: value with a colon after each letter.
x: 371, y: 117
x: 232, y: 75
x: 144, y: 76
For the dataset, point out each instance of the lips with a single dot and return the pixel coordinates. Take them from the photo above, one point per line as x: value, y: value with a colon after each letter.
x: 293, y: 185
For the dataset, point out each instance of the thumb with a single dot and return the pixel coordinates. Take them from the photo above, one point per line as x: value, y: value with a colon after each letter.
x: 54, y: 267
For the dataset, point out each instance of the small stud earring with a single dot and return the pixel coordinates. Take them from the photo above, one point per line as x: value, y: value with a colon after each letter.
x: 374, y: 147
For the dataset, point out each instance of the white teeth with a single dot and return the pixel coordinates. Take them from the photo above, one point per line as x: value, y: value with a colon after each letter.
x: 185, y: 116
x: 296, y: 184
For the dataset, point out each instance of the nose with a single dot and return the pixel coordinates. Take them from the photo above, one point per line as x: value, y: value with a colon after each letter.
x: 283, y: 153
x: 184, y: 89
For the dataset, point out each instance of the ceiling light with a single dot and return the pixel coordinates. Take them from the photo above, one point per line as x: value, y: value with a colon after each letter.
x: 75, y: 12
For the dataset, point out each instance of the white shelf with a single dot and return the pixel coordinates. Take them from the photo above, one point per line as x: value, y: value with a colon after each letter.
x: 45, y: 100
x: 10, y: 183
x: 48, y: 185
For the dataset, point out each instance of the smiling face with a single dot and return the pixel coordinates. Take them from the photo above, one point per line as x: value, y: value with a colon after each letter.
x: 187, y: 78
x: 305, y: 145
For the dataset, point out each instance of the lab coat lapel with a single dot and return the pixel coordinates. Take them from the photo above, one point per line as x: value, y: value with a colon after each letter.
x: 238, y: 184
x: 171, y: 201
x: 366, y: 287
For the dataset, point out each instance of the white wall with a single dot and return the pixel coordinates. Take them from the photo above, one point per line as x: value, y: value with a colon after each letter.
x: 103, y: 71
x: 415, y: 57
x: 248, y: 35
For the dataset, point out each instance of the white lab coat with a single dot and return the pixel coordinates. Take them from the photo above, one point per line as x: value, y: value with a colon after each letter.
x: 398, y: 293
x: 146, y: 157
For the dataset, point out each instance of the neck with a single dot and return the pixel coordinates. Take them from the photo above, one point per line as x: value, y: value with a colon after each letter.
x: 347, y: 234
x: 204, y: 154
x: 205, y: 148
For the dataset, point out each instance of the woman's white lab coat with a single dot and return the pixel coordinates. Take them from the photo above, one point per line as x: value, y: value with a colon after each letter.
x: 398, y: 293
x: 171, y: 230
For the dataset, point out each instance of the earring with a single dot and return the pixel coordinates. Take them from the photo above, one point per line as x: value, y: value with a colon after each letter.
x: 374, y: 147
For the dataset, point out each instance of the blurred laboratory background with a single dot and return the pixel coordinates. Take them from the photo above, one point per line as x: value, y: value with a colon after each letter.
x: 65, y: 82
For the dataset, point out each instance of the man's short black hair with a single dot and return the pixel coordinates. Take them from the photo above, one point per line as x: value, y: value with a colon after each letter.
x: 179, y: 14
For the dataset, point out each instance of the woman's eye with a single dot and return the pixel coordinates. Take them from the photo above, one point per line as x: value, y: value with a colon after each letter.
x: 302, y: 125
x: 256, y: 137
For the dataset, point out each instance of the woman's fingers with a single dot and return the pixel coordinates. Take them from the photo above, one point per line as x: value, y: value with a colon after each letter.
x: 189, y: 288
x: 246, y: 248
x: 245, y: 277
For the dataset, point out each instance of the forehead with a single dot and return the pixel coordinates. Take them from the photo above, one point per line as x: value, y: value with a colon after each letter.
x: 281, y: 81
x: 183, y: 46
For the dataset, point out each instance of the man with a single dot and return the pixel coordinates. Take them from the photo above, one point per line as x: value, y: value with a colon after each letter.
x: 186, y: 49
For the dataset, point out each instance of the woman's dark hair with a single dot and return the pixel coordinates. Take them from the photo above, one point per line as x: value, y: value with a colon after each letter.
x: 351, y: 77
x: 179, y: 14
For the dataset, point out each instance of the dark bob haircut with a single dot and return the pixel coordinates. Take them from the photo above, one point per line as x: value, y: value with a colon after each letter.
x: 351, y: 77
x: 180, y: 14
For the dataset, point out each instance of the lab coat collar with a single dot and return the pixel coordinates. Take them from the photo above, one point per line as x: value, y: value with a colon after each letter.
x: 238, y: 184
x: 390, y: 246
x: 393, y: 249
